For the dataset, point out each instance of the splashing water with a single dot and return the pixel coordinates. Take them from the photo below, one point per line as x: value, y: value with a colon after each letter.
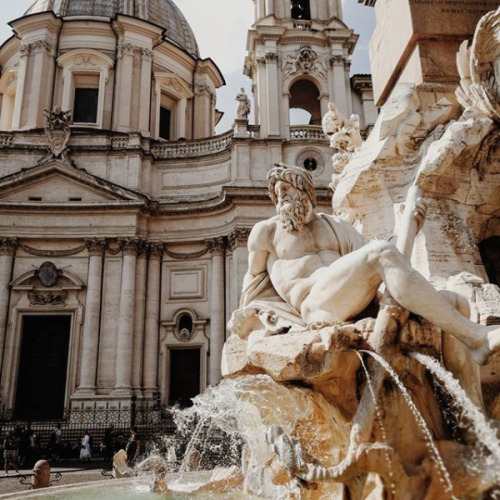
x: 445, y: 476
x: 379, y: 420
x: 486, y: 435
x: 238, y: 411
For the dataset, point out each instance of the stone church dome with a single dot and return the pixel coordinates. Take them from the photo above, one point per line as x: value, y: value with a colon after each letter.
x: 164, y: 13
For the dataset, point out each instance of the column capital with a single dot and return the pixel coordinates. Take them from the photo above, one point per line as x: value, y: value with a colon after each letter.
x: 129, y: 246
x: 238, y: 238
x: 216, y: 245
x: 95, y: 246
x: 146, y: 53
x: 25, y: 50
x: 155, y: 249
x: 8, y: 246
x: 126, y: 48
x: 337, y: 61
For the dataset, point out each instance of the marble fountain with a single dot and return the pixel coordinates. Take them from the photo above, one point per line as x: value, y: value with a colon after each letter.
x: 347, y: 374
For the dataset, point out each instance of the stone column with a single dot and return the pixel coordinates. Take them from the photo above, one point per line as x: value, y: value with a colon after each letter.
x: 125, y: 340
x: 269, y: 7
x: 181, y: 131
x: 126, y: 57
x: 7, y: 251
x: 202, y: 100
x: 347, y: 79
x: 274, y: 93
x: 338, y: 84
x: 145, y: 91
x: 91, y: 326
x: 140, y: 304
x: 24, y: 53
x: 43, y: 65
x: 238, y: 240
x: 217, y: 312
x: 151, y: 338
x: 259, y: 6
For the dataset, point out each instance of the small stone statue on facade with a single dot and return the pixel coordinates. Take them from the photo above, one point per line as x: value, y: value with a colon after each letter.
x: 244, y: 105
x: 57, y: 130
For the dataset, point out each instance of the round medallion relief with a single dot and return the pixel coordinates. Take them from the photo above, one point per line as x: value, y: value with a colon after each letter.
x: 48, y: 274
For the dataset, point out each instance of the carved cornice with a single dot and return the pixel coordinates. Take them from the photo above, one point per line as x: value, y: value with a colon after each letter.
x: 8, y: 246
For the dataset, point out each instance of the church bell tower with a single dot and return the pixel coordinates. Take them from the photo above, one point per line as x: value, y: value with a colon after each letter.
x: 298, y: 59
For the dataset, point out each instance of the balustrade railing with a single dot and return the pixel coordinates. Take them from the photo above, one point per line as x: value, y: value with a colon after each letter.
x: 307, y: 132
x: 193, y: 148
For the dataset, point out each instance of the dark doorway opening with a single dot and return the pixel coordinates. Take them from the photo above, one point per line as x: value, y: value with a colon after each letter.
x: 41, y: 379
x: 490, y: 255
x: 165, y: 119
x: 184, y: 376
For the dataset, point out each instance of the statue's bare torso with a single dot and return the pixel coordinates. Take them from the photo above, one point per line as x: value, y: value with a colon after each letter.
x: 294, y: 260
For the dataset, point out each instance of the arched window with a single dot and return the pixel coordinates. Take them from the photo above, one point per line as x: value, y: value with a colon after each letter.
x: 171, y: 105
x: 300, y: 9
x: 304, y: 103
x: 85, y: 73
x: 185, y: 326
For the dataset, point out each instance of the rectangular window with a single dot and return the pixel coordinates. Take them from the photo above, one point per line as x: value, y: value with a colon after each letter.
x: 85, y: 108
x: 86, y: 98
x: 165, y: 118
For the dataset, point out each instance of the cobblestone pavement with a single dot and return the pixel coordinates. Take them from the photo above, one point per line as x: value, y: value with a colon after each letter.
x: 72, y: 473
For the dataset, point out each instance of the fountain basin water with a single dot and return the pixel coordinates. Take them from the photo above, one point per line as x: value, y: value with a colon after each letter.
x: 128, y: 489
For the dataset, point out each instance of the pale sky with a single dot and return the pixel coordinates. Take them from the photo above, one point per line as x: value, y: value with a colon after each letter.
x: 227, y: 46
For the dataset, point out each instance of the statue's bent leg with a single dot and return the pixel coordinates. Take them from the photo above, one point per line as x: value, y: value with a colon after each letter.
x: 411, y: 290
x: 343, y: 289
x: 456, y: 356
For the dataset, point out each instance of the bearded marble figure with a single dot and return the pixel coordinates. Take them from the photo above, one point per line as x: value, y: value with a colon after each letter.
x: 316, y: 269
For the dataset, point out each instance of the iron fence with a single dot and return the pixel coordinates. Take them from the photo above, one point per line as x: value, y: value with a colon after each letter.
x: 152, y: 423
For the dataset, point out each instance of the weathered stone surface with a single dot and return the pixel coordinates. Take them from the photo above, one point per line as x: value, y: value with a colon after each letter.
x: 424, y: 37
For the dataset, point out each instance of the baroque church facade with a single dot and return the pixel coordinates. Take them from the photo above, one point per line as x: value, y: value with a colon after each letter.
x: 123, y: 229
